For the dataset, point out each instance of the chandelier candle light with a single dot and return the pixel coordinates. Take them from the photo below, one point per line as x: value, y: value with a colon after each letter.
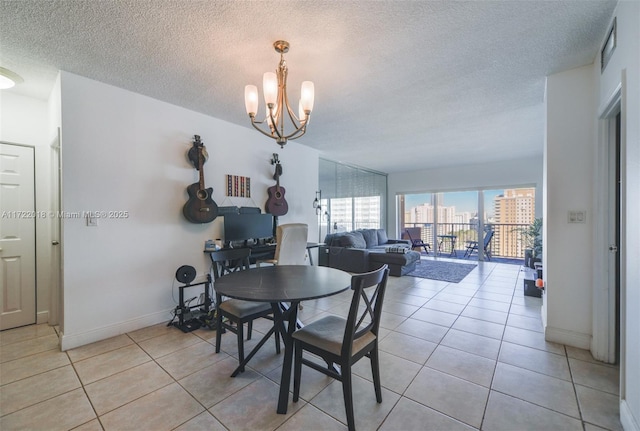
x: 274, y: 87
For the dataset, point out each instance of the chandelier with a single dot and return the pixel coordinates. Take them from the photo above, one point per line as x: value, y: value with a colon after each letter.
x: 274, y: 87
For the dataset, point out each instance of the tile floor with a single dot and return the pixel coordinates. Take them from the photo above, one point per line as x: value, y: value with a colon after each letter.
x: 453, y: 356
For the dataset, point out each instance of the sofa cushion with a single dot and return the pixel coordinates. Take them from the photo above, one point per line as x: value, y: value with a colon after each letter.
x: 370, y: 237
x: 353, y: 240
x: 382, y: 236
x: 394, y: 258
x: 332, y: 239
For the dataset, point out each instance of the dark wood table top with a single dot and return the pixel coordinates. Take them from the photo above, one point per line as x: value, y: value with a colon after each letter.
x: 284, y: 283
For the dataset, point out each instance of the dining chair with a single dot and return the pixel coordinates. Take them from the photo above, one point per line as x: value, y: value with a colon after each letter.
x: 344, y: 342
x: 235, y: 310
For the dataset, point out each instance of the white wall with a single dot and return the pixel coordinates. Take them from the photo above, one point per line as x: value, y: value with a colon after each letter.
x: 25, y: 121
x: 575, y: 101
x: 127, y: 152
x: 624, y: 67
x: 569, y: 177
x: 495, y: 175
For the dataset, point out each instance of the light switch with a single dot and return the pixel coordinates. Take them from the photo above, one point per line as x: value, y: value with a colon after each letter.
x: 92, y: 220
x: 577, y: 216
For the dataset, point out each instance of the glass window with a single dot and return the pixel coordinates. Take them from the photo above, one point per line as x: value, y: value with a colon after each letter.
x: 356, y: 197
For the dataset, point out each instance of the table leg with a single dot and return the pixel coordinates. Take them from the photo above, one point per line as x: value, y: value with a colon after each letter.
x: 285, y: 379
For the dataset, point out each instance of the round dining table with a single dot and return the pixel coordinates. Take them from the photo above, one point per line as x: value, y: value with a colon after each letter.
x: 284, y: 286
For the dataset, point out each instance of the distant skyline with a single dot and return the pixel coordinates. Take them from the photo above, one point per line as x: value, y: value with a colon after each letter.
x: 463, y: 201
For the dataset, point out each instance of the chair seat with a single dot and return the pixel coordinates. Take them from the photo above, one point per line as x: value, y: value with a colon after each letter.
x: 242, y: 309
x: 328, y: 333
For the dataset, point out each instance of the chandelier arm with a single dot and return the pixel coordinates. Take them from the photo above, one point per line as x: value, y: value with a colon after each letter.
x: 255, y: 126
x: 292, y: 138
x: 274, y: 125
x: 296, y: 134
x: 297, y: 123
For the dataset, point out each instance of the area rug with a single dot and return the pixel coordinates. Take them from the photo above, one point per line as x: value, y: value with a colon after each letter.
x: 446, y: 271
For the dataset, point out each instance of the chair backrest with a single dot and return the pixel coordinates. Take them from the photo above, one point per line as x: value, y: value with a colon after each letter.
x: 291, y: 248
x: 369, y: 288
x: 413, y: 233
x: 229, y: 260
x: 487, y: 238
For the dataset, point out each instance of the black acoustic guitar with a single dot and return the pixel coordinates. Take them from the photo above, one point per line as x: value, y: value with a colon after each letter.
x: 200, y: 208
x: 276, y: 203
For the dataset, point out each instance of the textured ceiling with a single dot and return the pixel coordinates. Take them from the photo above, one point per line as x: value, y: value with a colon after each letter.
x: 400, y: 85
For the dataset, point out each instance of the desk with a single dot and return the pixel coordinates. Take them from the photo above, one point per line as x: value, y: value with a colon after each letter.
x: 267, y: 251
x: 452, y: 242
x: 311, y: 245
x: 278, y: 284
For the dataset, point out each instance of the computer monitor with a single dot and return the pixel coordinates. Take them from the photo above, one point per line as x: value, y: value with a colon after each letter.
x: 242, y: 227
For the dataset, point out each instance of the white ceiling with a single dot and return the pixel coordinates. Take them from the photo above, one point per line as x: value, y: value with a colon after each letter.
x: 400, y: 85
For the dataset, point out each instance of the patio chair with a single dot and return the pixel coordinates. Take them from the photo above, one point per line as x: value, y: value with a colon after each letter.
x: 473, y: 246
x: 417, y: 243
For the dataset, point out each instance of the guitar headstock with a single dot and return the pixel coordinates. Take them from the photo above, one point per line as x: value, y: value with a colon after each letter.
x: 198, y: 149
x: 276, y: 161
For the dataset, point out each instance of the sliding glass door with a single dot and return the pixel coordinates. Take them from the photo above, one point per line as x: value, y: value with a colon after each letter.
x: 451, y: 221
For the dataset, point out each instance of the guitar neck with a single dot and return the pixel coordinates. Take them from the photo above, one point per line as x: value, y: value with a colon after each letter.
x: 276, y: 175
x: 201, y: 181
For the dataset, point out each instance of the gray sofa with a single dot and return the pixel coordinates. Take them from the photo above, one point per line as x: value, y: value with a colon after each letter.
x: 367, y: 249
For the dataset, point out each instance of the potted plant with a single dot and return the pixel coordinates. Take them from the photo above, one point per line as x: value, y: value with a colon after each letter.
x: 532, y: 237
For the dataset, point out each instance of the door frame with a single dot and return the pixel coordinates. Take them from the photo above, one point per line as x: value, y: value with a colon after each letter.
x: 603, y: 345
x: 55, y: 288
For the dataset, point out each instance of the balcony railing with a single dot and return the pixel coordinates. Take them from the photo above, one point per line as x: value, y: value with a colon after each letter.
x: 508, y: 240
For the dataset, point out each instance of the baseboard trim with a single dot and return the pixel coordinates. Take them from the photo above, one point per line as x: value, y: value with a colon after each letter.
x: 626, y: 417
x: 80, y: 339
x: 569, y: 338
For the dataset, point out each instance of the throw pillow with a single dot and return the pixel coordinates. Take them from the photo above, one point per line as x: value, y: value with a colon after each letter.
x: 353, y: 240
x: 382, y: 237
x: 332, y: 239
x: 370, y: 237
x: 396, y: 249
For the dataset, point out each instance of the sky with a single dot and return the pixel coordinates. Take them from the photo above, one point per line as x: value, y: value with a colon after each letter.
x: 463, y: 201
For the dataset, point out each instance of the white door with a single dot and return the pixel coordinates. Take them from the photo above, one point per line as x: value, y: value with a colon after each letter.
x: 17, y: 237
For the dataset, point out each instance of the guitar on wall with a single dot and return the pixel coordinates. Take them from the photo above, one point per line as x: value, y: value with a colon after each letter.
x: 200, y: 208
x: 276, y: 203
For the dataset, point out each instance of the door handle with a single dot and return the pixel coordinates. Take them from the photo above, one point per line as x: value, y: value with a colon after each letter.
x: 613, y: 248
x: 54, y: 242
